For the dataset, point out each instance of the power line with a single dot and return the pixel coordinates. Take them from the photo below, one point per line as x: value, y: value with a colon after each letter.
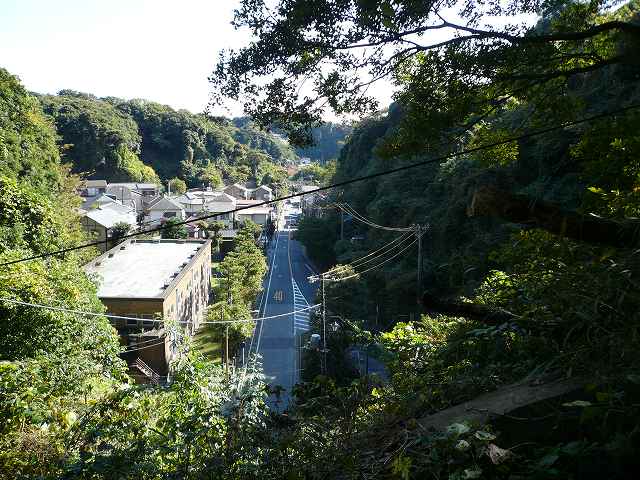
x: 159, y: 342
x: 374, y: 267
x: 343, y: 183
x: 137, y: 344
x: 358, y: 262
x: 120, y: 317
x: 349, y: 209
x: 263, y: 318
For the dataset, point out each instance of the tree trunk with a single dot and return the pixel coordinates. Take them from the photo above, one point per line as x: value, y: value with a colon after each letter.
x: 490, y: 201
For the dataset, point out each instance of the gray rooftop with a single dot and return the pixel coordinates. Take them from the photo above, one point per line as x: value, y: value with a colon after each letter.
x: 95, y: 183
x: 110, y: 214
x: 143, y: 268
x: 135, y: 185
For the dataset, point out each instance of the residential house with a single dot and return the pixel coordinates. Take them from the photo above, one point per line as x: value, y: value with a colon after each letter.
x: 93, y: 188
x: 260, y: 214
x: 262, y: 193
x: 162, y: 209
x: 127, y: 195
x: 89, y: 203
x: 100, y: 221
x: 145, y: 189
x: 206, y: 202
x: 149, y: 282
x: 238, y: 191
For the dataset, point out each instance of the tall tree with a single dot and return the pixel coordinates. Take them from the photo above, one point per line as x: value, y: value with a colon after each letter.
x: 446, y: 57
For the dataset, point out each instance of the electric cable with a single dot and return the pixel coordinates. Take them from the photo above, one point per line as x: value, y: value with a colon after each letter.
x: 159, y: 342
x: 403, y: 168
x: 352, y: 211
x: 119, y: 317
x: 374, y: 267
x: 358, y: 262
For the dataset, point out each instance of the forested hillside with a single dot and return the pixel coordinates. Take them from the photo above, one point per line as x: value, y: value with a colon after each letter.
x: 45, y: 356
x: 524, y: 145
x: 327, y: 139
x: 139, y: 140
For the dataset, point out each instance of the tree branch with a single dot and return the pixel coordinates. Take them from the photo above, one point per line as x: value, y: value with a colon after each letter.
x: 490, y: 201
x: 626, y: 27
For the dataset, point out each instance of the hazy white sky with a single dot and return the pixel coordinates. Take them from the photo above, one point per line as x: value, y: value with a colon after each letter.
x: 160, y: 50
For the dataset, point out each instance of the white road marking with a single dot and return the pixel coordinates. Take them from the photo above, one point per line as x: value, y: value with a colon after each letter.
x: 264, y: 313
x: 300, y: 319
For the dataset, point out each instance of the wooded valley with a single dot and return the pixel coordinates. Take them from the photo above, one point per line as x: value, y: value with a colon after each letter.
x: 514, y: 353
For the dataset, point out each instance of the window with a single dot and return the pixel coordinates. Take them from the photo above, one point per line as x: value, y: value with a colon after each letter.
x: 147, y: 320
x: 132, y: 322
x: 169, y: 214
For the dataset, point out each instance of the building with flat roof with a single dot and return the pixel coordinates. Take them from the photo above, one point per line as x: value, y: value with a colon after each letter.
x: 150, y: 282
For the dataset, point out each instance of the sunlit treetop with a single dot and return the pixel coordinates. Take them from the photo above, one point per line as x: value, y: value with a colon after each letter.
x: 310, y: 56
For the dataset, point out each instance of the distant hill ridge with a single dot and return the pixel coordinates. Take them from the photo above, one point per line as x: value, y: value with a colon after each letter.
x: 141, y: 140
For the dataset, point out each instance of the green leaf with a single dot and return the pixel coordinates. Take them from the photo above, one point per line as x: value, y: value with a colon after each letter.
x: 484, y: 436
x: 470, y: 473
x: 457, y: 429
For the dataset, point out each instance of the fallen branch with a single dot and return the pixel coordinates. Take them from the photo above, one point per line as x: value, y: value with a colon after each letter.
x: 499, y: 403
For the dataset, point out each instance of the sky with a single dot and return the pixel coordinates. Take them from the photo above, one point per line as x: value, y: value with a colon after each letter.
x: 160, y: 50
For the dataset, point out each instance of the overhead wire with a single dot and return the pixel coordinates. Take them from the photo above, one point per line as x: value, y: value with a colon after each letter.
x: 373, y: 267
x: 352, y: 211
x: 403, y: 168
x: 155, y: 320
x: 378, y: 253
x: 161, y: 341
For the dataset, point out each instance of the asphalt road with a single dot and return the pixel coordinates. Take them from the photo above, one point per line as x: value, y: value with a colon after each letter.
x: 286, y: 290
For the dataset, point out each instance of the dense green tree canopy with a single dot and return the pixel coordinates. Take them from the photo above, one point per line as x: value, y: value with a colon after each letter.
x: 27, y: 140
x: 177, y: 185
x: 49, y: 360
x: 316, y: 174
x: 174, y: 229
x: 97, y: 138
x: 447, y: 58
x: 132, y: 140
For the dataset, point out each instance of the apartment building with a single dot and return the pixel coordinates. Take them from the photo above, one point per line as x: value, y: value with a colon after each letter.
x: 149, y: 282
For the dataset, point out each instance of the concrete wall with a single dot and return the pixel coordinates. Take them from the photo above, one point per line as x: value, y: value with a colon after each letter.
x: 187, y: 298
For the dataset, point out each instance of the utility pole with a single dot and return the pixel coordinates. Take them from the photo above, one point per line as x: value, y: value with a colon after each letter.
x: 341, y: 224
x: 324, y: 330
x: 222, y: 320
x: 419, y: 232
x: 226, y: 350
